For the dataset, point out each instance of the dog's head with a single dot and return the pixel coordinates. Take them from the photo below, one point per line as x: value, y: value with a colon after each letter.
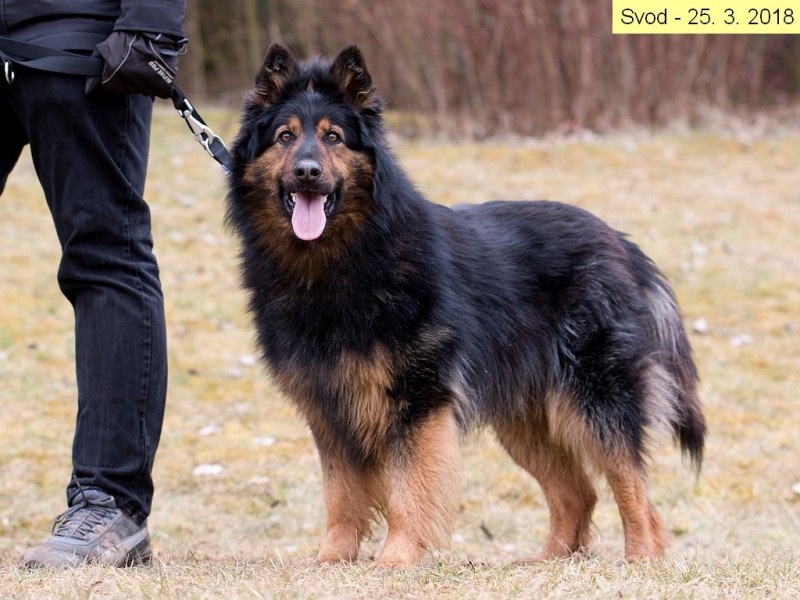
x: 305, y: 154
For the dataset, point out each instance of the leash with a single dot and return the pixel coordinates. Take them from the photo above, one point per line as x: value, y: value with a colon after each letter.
x: 206, y: 137
x: 42, y: 58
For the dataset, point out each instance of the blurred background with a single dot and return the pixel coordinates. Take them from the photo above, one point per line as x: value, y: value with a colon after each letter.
x: 486, y: 67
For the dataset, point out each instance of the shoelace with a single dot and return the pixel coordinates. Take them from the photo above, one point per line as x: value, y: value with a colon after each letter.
x: 79, y: 521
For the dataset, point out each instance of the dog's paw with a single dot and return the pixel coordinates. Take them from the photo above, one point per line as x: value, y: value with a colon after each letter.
x: 340, y: 545
x: 401, y: 553
x: 332, y: 559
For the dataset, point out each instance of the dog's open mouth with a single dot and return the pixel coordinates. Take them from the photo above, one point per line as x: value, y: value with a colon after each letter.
x: 309, y: 211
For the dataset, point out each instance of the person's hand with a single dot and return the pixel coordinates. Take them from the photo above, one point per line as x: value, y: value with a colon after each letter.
x: 138, y: 63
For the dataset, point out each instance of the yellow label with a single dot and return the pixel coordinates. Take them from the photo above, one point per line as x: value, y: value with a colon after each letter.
x: 706, y: 16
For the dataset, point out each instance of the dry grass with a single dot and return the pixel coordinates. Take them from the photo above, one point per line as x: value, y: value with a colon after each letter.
x: 719, y: 212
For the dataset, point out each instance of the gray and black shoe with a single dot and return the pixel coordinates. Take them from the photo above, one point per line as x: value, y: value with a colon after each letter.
x: 93, y: 530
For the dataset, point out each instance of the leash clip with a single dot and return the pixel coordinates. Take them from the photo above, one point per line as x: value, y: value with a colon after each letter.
x: 8, y: 71
x: 201, y: 132
x: 213, y: 144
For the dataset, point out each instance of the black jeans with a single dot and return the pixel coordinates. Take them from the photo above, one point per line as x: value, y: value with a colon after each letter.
x: 90, y: 154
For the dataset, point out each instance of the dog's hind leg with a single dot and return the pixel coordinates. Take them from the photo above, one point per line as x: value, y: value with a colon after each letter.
x: 645, y: 535
x: 350, y: 497
x: 567, y: 488
x: 422, y: 478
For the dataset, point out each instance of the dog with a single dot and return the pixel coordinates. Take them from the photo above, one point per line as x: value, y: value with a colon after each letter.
x: 395, y: 325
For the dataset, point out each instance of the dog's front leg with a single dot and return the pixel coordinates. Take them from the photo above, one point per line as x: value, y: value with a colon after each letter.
x: 422, y: 478
x: 350, y: 500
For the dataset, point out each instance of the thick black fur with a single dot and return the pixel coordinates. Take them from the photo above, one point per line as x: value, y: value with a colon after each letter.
x: 492, y: 310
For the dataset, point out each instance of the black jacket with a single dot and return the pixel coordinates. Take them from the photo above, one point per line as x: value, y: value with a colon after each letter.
x: 79, y: 25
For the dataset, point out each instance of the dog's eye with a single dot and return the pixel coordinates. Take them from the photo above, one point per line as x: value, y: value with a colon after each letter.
x: 332, y: 137
x: 285, y: 137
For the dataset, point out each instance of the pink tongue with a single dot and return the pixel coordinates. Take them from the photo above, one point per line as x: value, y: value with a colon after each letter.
x: 308, y: 218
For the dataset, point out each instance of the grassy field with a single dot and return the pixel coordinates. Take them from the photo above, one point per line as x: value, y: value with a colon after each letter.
x: 238, y: 510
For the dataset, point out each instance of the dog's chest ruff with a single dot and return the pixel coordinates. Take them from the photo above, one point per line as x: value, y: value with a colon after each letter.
x: 353, y: 395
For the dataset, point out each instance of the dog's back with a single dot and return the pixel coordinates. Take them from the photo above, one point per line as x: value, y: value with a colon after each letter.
x: 570, y: 307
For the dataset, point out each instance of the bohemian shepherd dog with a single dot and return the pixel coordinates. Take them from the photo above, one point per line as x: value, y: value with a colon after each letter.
x: 395, y: 326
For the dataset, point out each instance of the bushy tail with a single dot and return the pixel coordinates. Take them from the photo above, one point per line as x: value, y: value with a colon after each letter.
x: 675, y: 356
x: 691, y: 431
x: 690, y: 425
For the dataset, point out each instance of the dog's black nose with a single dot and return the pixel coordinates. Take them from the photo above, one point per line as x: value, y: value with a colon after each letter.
x: 307, y: 170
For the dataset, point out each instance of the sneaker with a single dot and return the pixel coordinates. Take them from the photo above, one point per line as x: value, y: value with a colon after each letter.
x: 92, y: 530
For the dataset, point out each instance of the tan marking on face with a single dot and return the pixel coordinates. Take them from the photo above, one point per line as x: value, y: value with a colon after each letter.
x: 346, y: 170
x: 263, y: 203
x: 325, y: 125
x: 293, y: 125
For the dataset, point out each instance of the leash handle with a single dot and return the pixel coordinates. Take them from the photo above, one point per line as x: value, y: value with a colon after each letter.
x: 205, y: 136
x: 43, y: 58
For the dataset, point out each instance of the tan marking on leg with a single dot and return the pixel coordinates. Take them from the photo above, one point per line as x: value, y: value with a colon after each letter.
x: 645, y: 536
x: 567, y: 429
x: 361, y: 384
x: 422, y: 484
x: 350, y: 498
x: 658, y: 531
x: 567, y: 488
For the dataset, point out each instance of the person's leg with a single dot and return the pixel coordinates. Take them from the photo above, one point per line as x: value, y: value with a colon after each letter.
x: 90, y: 154
x: 11, y: 141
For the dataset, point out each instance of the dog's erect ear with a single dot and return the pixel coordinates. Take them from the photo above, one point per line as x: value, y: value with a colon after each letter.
x: 350, y: 72
x: 279, y: 67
